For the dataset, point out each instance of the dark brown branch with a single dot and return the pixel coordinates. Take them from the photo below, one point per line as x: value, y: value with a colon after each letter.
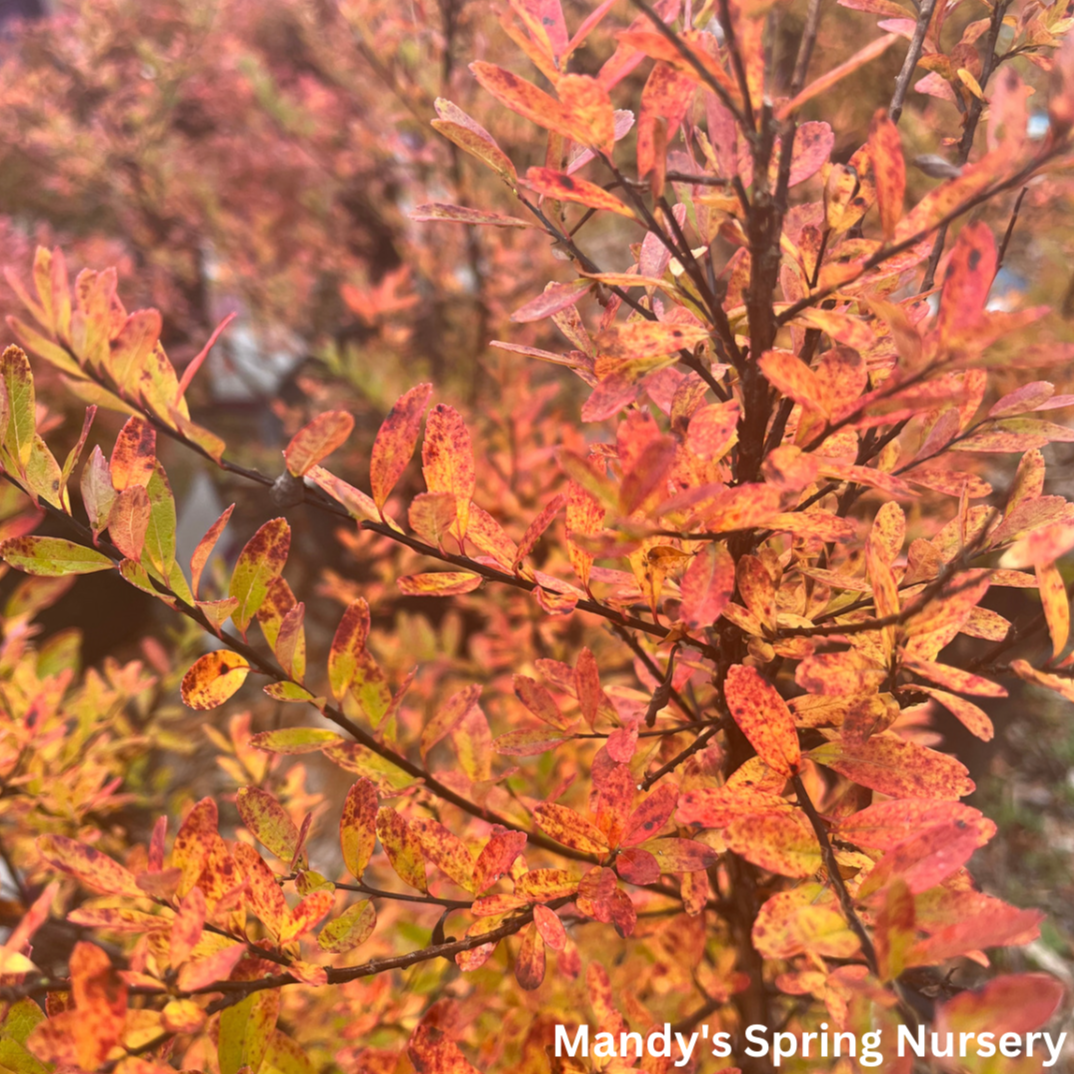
x: 828, y: 853
x: 696, y: 746
x: 1010, y: 229
x: 704, y: 74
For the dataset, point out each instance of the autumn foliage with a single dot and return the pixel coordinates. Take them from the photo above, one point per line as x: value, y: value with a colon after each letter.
x: 623, y: 717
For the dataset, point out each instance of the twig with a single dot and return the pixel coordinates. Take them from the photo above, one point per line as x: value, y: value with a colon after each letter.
x: 705, y: 75
x: 887, y: 252
x: 917, y: 42
x: 696, y: 746
x: 965, y: 146
x: 828, y: 853
x: 1010, y: 229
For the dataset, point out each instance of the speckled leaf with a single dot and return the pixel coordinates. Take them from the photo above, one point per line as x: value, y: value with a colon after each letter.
x: 403, y: 847
x: 317, y: 440
x: 52, y: 557
x: 358, y: 827
x: 268, y: 822
x: 764, y: 718
x: 261, y: 560
x: 351, y: 929
x: 213, y: 678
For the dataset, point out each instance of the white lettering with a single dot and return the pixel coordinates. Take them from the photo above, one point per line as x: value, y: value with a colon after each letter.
x: 1053, y: 1051
x: 906, y: 1038
x: 581, y: 1040
x: 755, y: 1035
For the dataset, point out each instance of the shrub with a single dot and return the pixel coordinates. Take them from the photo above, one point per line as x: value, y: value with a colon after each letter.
x: 671, y: 768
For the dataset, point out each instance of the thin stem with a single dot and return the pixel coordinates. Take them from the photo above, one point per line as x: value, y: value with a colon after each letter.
x: 828, y: 853
x: 917, y: 42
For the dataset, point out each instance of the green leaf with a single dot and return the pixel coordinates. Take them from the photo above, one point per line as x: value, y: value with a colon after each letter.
x: 353, y: 927
x: 246, y: 1030
x: 160, y: 536
x: 268, y: 821
x: 18, y: 381
x: 52, y: 556
x: 291, y: 740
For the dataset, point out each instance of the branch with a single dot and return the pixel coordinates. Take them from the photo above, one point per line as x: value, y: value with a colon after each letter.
x: 917, y: 42
x: 828, y: 853
x: 1010, y: 230
x: 336, y: 716
x: 965, y: 146
x: 696, y: 746
x: 703, y: 73
x: 887, y: 252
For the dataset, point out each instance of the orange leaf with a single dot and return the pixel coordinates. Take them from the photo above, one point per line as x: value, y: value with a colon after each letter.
x: 764, y: 718
x: 967, y: 282
x: 975, y: 719
x: 205, y: 549
x: 448, y: 460
x: 433, y: 1052
x: 562, y: 187
x: 789, y: 375
x: 496, y: 858
x: 307, y: 914
x: 530, y: 964
x: 893, y: 766
x: 213, y: 678
x: 540, y: 702
x: 1053, y: 597
x: 94, y: 869
x: 395, y: 441
x: 570, y: 828
x: 887, y: 824
x: 187, y: 927
x: 889, y: 171
x: 925, y: 860
x: 781, y: 843
x: 134, y: 456
x: 347, y: 645
x: 445, y: 850
x: 571, y: 118
x: 996, y: 927
x: 472, y: 138
x: 590, y: 110
x: 265, y: 895
x: 318, y: 440
x: 101, y: 1002
x: 649, y: 339
x: 439, y: 584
